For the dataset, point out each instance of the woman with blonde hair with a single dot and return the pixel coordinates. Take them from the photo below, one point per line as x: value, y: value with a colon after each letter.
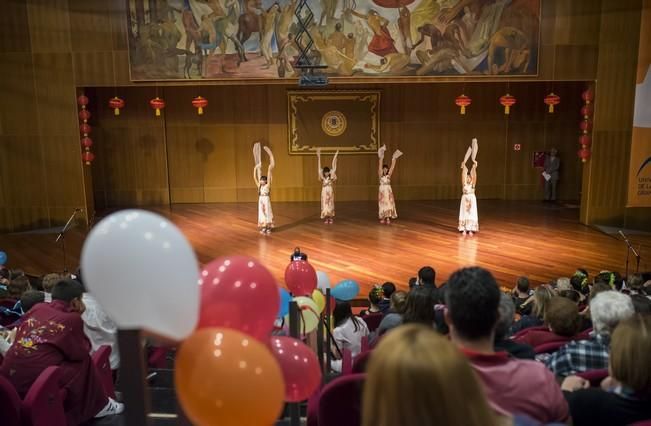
x: 625, y: 396
x: 540, y: 301
x: 417, y: 377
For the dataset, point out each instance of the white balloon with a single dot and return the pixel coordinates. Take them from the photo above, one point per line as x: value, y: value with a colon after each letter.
x: 144, y: 273
x: 322, y: 281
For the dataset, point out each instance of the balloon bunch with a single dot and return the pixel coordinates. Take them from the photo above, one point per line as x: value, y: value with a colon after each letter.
x: 144, y: 272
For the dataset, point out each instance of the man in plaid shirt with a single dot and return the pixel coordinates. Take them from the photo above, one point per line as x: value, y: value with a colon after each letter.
x: 607, y: 310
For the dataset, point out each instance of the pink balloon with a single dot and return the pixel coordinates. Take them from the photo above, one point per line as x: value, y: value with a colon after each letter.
x: 300, y: 367
x: 300, y: 278
x: 239, y: 293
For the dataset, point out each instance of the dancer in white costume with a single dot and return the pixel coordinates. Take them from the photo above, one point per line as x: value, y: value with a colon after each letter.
x: 468, y: 216
x: 386, y: 201
x: 265, y: 214
x: 327, y: 176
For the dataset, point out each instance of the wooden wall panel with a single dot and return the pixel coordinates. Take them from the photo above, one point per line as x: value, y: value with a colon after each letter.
x: 209, y: 156
x: 604, y: 182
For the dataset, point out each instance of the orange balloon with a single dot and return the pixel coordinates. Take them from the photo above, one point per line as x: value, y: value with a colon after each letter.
x: 227, y: 378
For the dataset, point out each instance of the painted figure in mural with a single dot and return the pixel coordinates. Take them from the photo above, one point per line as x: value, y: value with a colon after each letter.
x: 382, y: 43
x: 269, y: 18
x: 405, y: 37
x: 327, y: 176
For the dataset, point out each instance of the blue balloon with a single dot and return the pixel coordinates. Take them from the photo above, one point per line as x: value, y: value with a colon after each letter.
x: 3, y: 257
x: 285, y: 298
x: 345, y: 290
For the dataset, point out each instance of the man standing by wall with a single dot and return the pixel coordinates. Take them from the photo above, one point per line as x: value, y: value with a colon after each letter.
x: 552, y: 165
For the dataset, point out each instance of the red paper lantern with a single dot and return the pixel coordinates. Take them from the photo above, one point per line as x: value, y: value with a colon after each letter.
x: 507, y: 102
x: 585, y: 126
x: 86, y: 142
x: 199, y: 103
x: 551, y: 100
x: 586, y: 111
x: 462, y: 101
x: 585, y: 141
x: 157, y: 104
x: 587, y: 96
x: 84, y: 115
x: 82, y: 100
x: 584, y: 154
x: 85, y: 128
x: 117, y: 104
x: 88, y: 157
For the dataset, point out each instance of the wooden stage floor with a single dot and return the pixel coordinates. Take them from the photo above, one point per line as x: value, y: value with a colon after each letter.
x: 535, y: 239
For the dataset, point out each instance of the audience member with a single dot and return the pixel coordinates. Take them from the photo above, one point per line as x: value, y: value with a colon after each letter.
x: 348, y: 331
x: 53, y: 334
x: 607, y: 309
x: 99, y: 327
x: 579, y: 281
x: 541, y: 298
x: 420, y: 307
x: 562, y: 319
x: 416, y: 377
x: 504, y: 322
x: 388, y: 288
x: 17, y: 286
x: 413, y: 282
x: 625, y: 397
x: 472, y: 312
x: 635, y: 284
x: 393, y: 317
x: 641, y: 304
x: 427, y: 277
x: 374, y: 298
x: 297, y: 255
x: 48, y: 282
x: 521, y: 293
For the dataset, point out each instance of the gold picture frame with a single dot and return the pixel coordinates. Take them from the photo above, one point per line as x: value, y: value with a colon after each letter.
x: 344, y: 121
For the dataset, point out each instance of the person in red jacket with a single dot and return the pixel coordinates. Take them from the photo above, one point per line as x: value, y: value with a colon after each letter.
x: 52, y: 334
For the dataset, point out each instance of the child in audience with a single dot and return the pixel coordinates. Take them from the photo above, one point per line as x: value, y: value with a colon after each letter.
x: 416, y: 377
x: 562, y: 319
x: 521, y: 293
x: 374, y: 298
x: 625, y: 397
x: 420, y: 307
x: 52, y: 334
x: 388, y: 288
x: 540, y: 300
x: 348, y: 332
x: 393, y: 317
x: 48, y: 282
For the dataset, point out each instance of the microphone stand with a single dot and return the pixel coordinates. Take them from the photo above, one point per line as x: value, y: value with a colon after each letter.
x: 62, y: 237
x: 630, y: 249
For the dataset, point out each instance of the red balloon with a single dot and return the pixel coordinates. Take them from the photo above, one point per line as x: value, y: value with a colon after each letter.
x: 300, y: 278
x: 300, y: 367
x: 240, y: 293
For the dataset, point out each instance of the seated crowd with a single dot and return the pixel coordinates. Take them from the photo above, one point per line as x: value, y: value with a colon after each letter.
x: 54, y: 322
x: 527, y: 347
x: 464, y: 352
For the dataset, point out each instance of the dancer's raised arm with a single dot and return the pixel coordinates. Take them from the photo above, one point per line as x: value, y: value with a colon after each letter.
x: 473, y: 173
x: 333, y: 171
x: 380, y: 154
x: 396, y: 154
x: 318, y: 160
x: 464, y: 173
x: 257, y: 160
x: 272, y: 164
